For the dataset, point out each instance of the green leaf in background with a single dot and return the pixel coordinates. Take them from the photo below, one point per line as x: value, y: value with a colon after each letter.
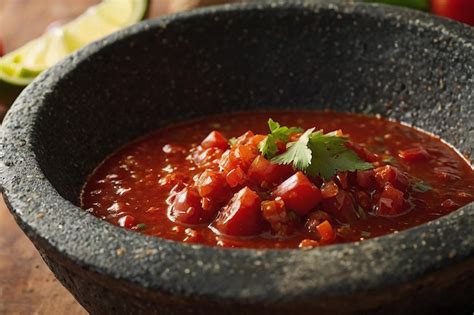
x: 414, y: 4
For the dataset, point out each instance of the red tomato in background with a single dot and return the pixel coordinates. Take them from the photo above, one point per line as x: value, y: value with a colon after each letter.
x: 2, y: 51
x: 460, y: 10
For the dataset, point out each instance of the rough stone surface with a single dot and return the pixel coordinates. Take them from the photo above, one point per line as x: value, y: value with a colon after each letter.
x: 398, y: 63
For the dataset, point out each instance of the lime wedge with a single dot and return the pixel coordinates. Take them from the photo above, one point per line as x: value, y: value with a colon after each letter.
x: 122, y: 12
x: 86, y: 29
x: 21, y: 66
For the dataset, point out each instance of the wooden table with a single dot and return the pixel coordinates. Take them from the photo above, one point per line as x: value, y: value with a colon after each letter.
x: 27, y: 286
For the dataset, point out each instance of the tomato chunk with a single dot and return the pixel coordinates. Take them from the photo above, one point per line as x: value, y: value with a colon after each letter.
x: 235, y: 177
x: 391, y: 202
x: 245, y: 138
x: 365, y: 179
x: 298, y: 193
x: 281, y: 221
x: 255, y: 140
x: 316, y: 218
x: 215, y: 140
x: 213, y: 185
x: 239, y: 156
x: 241, y: 216
x: 341, y: 207
x: 389, y: 174
x: 326, y: 232
x: 461, y: 10
x: 265, y: 173
x: 414, y: 154
x: 329, y: 189
x: 207, y: 157
x: 187, y: 208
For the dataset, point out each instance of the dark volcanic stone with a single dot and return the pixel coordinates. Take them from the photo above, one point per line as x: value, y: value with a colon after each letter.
x: 364, y: 58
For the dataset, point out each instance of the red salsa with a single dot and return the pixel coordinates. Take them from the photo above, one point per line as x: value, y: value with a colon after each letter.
x: 279, y: 180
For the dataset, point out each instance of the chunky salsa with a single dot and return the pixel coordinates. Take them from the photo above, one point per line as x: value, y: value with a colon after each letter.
x: 279, y: 180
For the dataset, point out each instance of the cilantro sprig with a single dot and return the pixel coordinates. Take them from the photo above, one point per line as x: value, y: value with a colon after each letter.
x: 268, y: 147
x: 315, y: 153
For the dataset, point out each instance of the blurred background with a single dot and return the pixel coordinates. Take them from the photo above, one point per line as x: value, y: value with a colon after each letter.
x: 24, y: 20
x: 26, y: 285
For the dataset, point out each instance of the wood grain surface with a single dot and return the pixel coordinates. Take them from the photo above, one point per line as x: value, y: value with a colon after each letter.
x: 27, y: 286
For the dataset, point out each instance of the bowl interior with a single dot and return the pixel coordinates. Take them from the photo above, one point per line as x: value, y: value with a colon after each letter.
x: 252, y: 59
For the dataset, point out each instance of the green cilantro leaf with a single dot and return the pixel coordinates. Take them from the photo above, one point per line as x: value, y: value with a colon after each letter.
x: 421, y: 187
x: 315, y: 153
x: 331, y: 155
x: 268, y: 147
x: 298, y: 152
x: 141, y: 226
x: 273, y: 125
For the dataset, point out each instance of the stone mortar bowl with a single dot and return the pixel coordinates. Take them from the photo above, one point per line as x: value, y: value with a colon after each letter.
x: 399, y: 63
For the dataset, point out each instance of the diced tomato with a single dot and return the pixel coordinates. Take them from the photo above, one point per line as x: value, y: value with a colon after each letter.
x: 326, y: 232
x: 187, y: 208
x: 341, y: 207
x: 241, y: 216
x: 366, y: 179
x: 240, y: 155
x: 235, y: 177
x: 329, y: 189
x: 294, y: 137
x: 281, y: 221
x: 362, y: 152
x: 255, y: 140
x: 172, y: 179
x: 213, y: 185
x: 461, y: 10
x: 207, y: 156
x: 308, y: 243
x: 215, y: 140
x: 298, y: 193
x: 127, y: 221
x: 245, y: 154
x: 281, y: 146
x: 414, y: 154
x: 245, y: 138
x: 390, y: 174
x: 265, y: 173
x: 391, y: 202
x: 315, y: 218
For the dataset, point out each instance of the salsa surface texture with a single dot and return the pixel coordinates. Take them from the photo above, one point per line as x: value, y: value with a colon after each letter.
x: 155, y: 185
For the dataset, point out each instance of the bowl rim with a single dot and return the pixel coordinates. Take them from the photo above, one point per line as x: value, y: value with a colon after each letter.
x: 181, y: 269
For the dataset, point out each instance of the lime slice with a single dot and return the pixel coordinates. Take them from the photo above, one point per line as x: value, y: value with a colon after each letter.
x: 86, y: 29
x: 21, y: 66
x: 122, y: 12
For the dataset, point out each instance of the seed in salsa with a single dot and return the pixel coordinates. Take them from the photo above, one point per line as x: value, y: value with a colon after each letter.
x: 293, y: 180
